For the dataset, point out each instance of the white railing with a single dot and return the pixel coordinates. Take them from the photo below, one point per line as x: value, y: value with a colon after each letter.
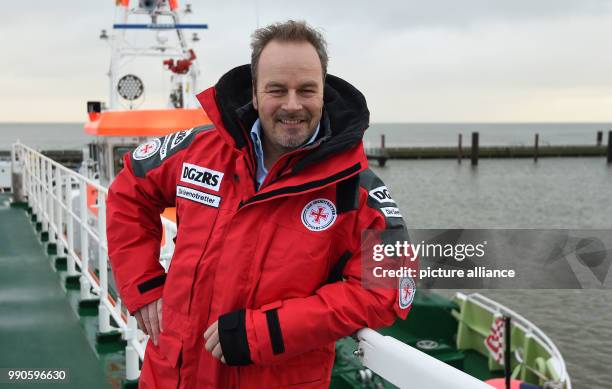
x: 50, y: 189
x: 407, y: 367
x: 527, y: 327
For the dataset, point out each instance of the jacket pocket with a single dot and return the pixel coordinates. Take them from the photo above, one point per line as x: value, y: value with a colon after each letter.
x: 170, y: 348
x: 161, y: 367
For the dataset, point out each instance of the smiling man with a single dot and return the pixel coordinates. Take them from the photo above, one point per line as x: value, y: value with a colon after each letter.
x: 288, y: 96
x: 288, y: 79
x: 271, y: 203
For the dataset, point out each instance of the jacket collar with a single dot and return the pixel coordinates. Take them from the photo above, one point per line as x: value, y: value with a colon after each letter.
x: 345, y: 117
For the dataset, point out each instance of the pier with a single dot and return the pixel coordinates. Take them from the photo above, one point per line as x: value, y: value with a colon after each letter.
x: 487, y: 152
x: 475, y: 151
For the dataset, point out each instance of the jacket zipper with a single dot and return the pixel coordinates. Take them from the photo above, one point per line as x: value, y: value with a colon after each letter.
x: 303, y: 187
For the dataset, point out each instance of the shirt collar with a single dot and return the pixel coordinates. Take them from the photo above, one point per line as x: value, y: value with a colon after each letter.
x: 255, y: 133
x: 257, y: 141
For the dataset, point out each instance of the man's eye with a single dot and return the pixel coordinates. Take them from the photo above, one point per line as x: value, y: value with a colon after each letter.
x: 276, y: 91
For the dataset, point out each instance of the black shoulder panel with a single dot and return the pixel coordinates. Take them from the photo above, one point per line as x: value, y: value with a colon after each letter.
x: 347, y: 194
x: 380, y: 199
x: 152, y: 153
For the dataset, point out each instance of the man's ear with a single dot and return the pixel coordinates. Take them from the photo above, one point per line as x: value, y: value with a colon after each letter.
x: 254, y: 89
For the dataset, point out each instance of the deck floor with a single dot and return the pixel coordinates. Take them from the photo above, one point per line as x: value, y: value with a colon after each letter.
x: 38, y: 328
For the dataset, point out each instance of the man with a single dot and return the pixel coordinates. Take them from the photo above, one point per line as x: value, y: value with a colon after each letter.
x: 270, y: 202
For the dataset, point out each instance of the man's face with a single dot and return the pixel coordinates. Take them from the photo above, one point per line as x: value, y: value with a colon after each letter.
x: 289, y: 93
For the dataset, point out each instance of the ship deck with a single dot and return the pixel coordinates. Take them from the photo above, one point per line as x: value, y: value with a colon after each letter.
x: 38, y: 325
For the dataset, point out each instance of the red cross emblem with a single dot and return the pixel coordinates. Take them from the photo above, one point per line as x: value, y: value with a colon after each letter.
x: 319, y: 214
x: 146, y: 148
x: 406, y: 290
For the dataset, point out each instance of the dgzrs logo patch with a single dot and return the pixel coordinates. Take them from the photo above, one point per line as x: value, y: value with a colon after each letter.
x: 201, y: 176
x: 381, y: 194
x: 147, y: 149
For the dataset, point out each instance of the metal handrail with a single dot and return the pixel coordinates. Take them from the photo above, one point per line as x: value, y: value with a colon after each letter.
x: 48, y: 187
x: 407, y: 367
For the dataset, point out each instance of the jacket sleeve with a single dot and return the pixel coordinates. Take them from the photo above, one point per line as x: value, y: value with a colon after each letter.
x: 137, y: 196
x: 286, y: 328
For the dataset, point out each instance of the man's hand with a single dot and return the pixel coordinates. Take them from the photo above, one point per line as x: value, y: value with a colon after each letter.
x: 149, y: 319
x: 211, y: 335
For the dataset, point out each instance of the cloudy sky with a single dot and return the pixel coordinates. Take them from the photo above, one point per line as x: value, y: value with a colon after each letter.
x: 416, y: 61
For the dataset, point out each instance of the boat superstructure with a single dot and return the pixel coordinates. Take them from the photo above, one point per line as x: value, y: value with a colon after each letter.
x: 148, y: 37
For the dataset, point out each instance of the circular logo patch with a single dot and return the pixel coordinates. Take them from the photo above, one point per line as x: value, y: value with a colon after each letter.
x: 146, y: 149
x: 319, y: 214
x: 407, y: 289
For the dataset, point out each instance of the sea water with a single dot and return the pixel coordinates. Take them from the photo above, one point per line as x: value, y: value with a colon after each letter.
x: 572, y: 193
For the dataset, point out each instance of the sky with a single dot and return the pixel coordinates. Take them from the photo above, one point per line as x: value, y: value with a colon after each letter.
x: 414, y: 60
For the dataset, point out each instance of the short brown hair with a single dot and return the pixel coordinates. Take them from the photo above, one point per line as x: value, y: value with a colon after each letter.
x: 289, y: 31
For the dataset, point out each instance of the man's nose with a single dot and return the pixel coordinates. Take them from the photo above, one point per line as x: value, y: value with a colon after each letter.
x: 292, y: 103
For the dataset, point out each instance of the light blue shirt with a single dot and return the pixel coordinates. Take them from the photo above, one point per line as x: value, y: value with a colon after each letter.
x: 262, y: 172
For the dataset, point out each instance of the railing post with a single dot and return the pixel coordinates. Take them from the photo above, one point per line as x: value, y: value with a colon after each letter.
x: 22, y: 158
x: 28, y: 176
x: 39, y: 190
x: 132, y: 371
x: 103, y: 312
x: 17, y: 183
x: 36, y: 184
x: 70, y: 263
x: 85, y: 286
x: 59, y: 211
x: 44, y: 199
x: 50, y: 193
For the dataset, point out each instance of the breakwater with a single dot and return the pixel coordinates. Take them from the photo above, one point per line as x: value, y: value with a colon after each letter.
x: 475, y: 151
x: 487, y: 152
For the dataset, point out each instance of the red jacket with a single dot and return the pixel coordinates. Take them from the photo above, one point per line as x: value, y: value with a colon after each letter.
x: 279, y: 267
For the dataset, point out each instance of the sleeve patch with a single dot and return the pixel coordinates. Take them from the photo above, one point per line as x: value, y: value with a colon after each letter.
x: 381, y: 194
x: 152, y: 153
x: 379, y: 198
x: 146, y: 150
x: 391, y: 212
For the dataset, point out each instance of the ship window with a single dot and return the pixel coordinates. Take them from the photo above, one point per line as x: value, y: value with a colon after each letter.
x: 118, y: 153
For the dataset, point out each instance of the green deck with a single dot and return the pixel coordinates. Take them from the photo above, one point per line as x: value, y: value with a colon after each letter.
x: 38, y: 327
